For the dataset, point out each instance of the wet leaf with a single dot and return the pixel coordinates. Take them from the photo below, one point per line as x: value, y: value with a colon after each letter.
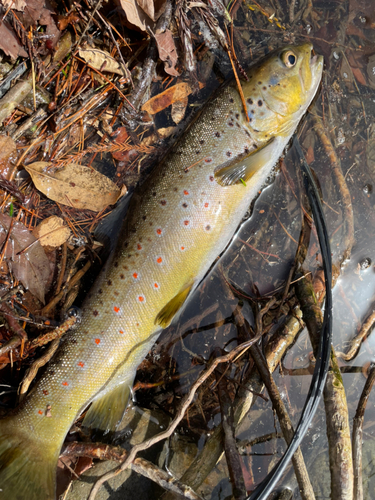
x: 32, y: 266
x: 52, y: 232
x: 74, y: 185
x: 102, y: 61
x: 179, y: 109
x: 135, y: 14
x: 168, y: 97
x: 9, y: 42
x: 14, y: 4
x: 167, y: 52
x: 153, y: 8
x: 8, y: 155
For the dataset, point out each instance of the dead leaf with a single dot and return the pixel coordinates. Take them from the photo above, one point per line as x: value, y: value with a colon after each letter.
x: 168, y: 97
x: 179, y: 109
x: 153, y: 8
x: 14, y: 4
x: 74, y: 185
x: 102, y: 61
x: 9, y: 42
x: 135, y: 15
x: 32, y: 266
x: 8, y: 155
x: 52, y: 232
x: 167, y: 52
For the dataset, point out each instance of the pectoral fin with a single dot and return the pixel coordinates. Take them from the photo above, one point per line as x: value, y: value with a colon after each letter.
x: 106, y: 412
x: 169, y: 311
x: 242, y: 169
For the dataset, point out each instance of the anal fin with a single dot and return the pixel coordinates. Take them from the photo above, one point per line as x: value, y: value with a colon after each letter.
x: 241, y: 169
x: 169, y: 311
x: 106, y: 412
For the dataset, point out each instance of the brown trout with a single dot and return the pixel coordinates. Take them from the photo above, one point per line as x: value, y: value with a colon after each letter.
x: 181, y: 220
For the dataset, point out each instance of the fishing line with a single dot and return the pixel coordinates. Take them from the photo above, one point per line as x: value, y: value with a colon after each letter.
x: 324, y: 350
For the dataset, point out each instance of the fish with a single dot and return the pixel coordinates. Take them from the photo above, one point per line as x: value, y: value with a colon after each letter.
x: 178, y: 222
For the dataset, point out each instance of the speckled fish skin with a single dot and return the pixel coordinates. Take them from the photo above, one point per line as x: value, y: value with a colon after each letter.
x: 183, y: 218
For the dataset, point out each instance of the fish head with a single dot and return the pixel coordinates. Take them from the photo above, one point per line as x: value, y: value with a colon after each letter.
x: 281, y: 88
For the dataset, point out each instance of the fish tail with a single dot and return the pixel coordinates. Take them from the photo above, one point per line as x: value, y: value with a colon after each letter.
x: 27, y: 470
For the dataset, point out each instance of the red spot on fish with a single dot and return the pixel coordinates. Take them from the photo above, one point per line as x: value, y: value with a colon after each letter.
x: 45, y: 392
x: 81, y: 364
x: 186, y: 193
x: 135, y: 276
x: 159, y: 260
x: 40, y: 412
x: 121, y: 331
x: 141, y: 298
x: 211, y: 178
x: 208, y: 160
x: 156, y: 285
x: 65, y: 384
x: 139, y: 246
x: 186, y: 222
x: 116, y: 309
x: 159, y: 231
x: 97, y: 341
x: 206, y: 205
x: 182, y: 248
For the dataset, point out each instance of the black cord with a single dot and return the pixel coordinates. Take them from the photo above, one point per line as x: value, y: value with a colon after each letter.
x: 324, y: 351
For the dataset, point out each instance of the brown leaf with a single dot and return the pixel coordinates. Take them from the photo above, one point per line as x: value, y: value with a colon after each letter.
x: 52, y: 232
x: 167, y: 52
x: 14, y: 4
x: 153, y: 8
x: 179, y: 109
x: 169, y: 96
x: 8, y: 155
x: 135, y: 15
x: 74, y: 185
x: 9, y: 42
x: 32, y: 266
x: 101, y: 60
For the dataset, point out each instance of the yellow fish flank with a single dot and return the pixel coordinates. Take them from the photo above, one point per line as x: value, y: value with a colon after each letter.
x: 183, y: 218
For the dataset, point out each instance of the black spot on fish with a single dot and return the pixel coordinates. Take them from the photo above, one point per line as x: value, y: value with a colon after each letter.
x: 229, y: 153
x: 255, y: 146
x: 151, y: 224
x: 126, y: 268
x: 259, y: 83
x: 247, y: 132
x: 250, y: 101
x: 197, y: 152
x: 208, y: 227
x: 154, y: 193
x: 246, y: 149
x: 175, y: 189
x: 217, y: 134
x: 231, y: 99
x: 95, y: 313
x: 185, y: 205
x: 201, y: 141
x: 260, y: 102
x: 264, y: 88
x: 122, y: 276
x: 144, y: 217
x: 109, y: 282
x: 163, y: 202
x: 100, y: 291
x: 115, y: 264
x: 126, y: 245
x: 238, y: 125
x: 250, y: 120
x: 237, y: 115
x: 252, y: 111
x: 230, y: 124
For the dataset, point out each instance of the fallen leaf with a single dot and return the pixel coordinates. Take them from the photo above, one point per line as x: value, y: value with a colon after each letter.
x: 9, y: 42
x: 169, y: 96
x: 135, y: 15
x: 179, y: 109
x: 8, y: 155
x: 167, y: 52
x: 74, y: 185
x: 102, y: 61
x: 52, y: 232
x: 153, y: 8
x: 32, y: 266
x: 14, y: 4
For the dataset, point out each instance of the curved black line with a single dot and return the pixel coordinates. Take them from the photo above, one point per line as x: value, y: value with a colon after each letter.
x: 324, y: 351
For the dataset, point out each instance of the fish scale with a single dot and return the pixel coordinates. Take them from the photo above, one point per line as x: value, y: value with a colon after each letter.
x: 179, y: 221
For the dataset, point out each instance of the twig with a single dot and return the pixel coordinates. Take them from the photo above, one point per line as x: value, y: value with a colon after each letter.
x: 356, y: 342
x: 179, y: 416
x: 357, y: 434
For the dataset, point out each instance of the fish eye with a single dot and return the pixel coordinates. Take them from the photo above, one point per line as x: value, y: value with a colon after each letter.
x: 289, y: 58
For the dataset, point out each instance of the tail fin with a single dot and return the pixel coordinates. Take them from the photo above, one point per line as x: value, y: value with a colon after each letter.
x: 27, y: 470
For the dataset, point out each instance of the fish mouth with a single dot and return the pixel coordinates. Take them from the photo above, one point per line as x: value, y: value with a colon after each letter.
x: 315, y: 59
